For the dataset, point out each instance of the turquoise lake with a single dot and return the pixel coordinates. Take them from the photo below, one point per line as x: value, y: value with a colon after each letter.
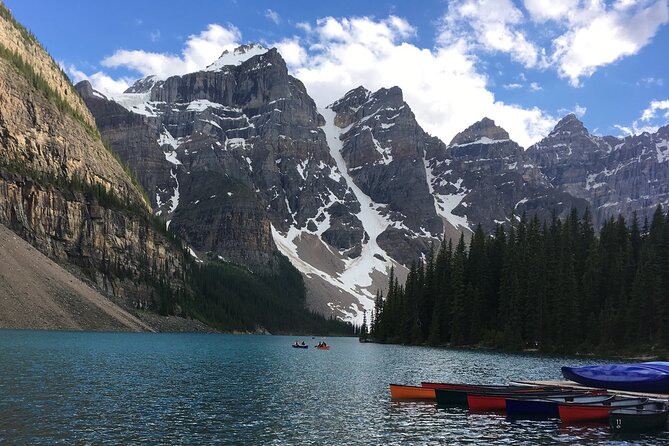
x: 144, y: 388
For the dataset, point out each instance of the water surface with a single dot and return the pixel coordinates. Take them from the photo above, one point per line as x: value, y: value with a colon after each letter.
x: 145, y: 388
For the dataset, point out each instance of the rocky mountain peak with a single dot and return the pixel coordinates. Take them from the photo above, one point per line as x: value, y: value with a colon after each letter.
x: 143, y: 85
x: 569, y: 124
x: 483, y: 131
x: 85, y: 89
x: 390, y: 96
x: 237, y: 56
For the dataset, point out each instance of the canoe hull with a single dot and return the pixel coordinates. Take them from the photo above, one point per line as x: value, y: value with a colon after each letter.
x: 547, y: 407
x: 531, y: 408
x: 400, y: 392
x: 640, y: 420
x: 579, y: 413
x: 451, y: 397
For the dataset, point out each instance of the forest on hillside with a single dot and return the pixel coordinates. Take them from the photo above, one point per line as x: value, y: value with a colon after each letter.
x: 554, y: 286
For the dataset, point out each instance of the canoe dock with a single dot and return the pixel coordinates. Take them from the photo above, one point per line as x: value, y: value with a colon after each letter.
x: 573, y: 385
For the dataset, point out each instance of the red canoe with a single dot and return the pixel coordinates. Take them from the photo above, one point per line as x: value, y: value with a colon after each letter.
x: 576, y: 413
x: 400, y: 392
x: 496, y: 401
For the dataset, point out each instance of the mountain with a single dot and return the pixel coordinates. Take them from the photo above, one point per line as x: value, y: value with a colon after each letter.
x: 65, y: 193
x: 242, y: 164
x: 615, y: 175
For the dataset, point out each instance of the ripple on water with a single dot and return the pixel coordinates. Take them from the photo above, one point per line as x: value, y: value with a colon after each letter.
x: 120, y: 388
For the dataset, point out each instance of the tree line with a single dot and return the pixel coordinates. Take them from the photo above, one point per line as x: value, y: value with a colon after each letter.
x: 554, y: 286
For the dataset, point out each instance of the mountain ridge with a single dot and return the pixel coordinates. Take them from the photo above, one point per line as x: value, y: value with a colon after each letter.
x: 414, y: 187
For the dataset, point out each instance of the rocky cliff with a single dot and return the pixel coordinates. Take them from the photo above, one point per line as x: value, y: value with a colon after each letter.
x: 615, y: 175
x: 228, y: 153
x: 62, y: 190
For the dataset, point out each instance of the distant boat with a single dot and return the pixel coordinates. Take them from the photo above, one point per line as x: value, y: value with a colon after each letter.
x: 651, y: 377
x: 323, y: 347
x: 649, y: 417
x: 296, y: 345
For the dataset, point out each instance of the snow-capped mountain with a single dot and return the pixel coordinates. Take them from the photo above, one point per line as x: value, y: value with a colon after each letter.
x: 241, y: 163
x: 615, y: 175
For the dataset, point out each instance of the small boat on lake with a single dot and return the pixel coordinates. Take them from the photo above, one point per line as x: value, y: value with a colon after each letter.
x: 648, y: 417
x: 576, y: 412
x: 300, y: 345
x: 651, y: 377
x: 402, y: 392
x: 322, y: 346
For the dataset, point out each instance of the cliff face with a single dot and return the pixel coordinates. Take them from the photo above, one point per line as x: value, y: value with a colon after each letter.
x: 229, y: 152
x: 615, y: 175
x: 61, y: 189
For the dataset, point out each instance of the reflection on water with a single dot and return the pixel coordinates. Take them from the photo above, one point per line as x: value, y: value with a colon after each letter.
x: 119, y: 388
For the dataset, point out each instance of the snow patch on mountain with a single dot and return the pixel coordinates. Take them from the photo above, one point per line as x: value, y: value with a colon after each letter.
x: 445, y: 203
x: 237, y: 56
x: 662, y: 149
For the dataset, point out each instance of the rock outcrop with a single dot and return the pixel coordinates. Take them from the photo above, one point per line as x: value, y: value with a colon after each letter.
x: 62, y: 190
x: 227, y: 153
x: 615, y: 175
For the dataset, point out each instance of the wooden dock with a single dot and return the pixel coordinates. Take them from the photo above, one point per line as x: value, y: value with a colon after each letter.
x: 577, y: 386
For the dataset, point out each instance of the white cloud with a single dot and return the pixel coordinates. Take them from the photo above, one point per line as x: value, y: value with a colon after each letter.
x: 291, y: 51
x: 273, y: 16
x: 513, y: 86
x: 652, y: 109
x: 573, y: 37
x: 200, y: 50
x: 543, y: 10
x: 491, y: 25
x: 441, y: 85
x: 102, y: 82
x: 650, y: 81
x: 648, y: 121
x: 598, y: 36
x: 534, y: 86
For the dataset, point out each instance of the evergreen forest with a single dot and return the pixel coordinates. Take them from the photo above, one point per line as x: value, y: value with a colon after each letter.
x: 554, y: 286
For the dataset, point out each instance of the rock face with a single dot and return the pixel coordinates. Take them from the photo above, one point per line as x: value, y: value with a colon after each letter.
x: 63, y: 191
x: 615, y: 175
x: 230, y: 152
x: 384, y: 147
x: 483, y: 178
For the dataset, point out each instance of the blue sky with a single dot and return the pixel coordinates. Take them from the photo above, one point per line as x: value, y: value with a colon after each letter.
x: 524, y: 63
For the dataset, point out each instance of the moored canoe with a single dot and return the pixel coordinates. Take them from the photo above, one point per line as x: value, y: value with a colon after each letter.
x: 479, y: 402
x: 546, y: 407
x: 649, y: 417
x: 576, y: 412
x: 456, y: 395
x: 402, y: 392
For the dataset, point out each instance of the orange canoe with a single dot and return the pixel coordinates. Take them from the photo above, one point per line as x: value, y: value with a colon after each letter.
x: 400, y: 392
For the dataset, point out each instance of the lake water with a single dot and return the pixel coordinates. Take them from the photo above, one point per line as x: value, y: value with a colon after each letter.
x: 141, y: 388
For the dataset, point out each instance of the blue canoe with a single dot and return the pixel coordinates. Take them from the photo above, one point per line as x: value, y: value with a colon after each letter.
x: 652, y: 377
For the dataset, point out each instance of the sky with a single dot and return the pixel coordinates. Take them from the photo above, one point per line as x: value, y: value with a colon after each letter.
x: 523, y: 63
